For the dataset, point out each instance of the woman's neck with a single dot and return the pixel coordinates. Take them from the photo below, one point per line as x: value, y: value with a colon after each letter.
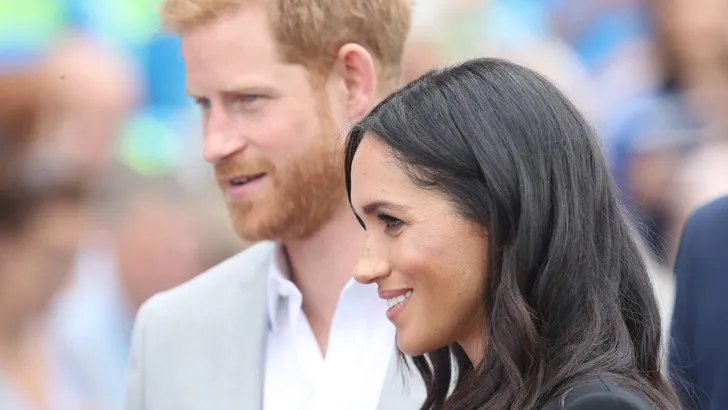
x: 473, y: 343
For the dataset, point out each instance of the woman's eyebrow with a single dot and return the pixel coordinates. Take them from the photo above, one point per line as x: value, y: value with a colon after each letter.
x: 376, y: 206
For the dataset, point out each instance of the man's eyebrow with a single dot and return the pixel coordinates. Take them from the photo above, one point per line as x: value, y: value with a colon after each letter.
x: 247, y: 87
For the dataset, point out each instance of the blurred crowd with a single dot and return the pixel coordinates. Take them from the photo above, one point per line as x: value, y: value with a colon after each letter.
x: 105, y: 199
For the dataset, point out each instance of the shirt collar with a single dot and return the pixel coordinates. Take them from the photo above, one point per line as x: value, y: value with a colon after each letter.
x: 284, y: 298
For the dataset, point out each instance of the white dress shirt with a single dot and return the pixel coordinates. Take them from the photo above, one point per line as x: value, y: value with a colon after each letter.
x: 361, y: 343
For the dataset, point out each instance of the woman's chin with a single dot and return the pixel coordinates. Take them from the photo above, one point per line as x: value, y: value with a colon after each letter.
x: 410, y: 347
x: 411, y: 352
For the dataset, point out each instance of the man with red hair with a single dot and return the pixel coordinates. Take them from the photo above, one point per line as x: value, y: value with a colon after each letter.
x: 281, y: 325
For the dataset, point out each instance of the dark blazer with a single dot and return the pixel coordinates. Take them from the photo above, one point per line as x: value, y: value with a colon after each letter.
x: 699, y: 345
x: 601, y: 395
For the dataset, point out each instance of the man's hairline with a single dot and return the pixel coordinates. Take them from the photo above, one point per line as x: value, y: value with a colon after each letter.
x: 388, y: 78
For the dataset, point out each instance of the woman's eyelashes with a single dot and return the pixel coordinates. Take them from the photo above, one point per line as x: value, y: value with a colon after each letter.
x: 390, y: 223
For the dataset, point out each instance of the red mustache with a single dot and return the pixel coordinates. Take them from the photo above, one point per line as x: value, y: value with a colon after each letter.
x: 238, y: 167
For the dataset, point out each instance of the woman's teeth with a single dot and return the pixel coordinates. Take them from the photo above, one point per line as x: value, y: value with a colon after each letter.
x: 392, y: 302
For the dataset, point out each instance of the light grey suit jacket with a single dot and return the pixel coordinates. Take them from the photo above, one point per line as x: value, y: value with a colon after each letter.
x: 202, y: 345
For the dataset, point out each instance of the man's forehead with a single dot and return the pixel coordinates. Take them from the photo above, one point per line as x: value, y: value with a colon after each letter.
x: 255, y: 80
x: 241, y: 36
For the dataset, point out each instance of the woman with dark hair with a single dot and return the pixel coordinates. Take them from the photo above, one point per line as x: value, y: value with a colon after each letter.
x: 495, y: 235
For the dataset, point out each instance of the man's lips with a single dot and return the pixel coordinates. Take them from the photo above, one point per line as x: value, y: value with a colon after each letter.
x: 242, y: 186
x: 242, y: 180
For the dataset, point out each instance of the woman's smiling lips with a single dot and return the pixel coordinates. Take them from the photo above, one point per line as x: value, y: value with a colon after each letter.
x: 396, y: 300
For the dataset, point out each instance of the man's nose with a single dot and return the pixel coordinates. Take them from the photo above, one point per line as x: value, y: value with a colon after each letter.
x: 370, y: 270
x: 222, y: 137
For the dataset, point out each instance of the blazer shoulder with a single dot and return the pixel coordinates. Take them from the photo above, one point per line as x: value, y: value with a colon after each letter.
x: 703, y: 236
x: 710, y: 215
x: 604, y: 395
x: 213, y: 284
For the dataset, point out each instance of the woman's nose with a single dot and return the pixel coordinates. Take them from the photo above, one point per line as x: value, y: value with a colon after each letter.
x: 370, y: 270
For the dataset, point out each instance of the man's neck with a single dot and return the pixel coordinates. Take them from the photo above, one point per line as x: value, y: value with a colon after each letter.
x: 321, y: 266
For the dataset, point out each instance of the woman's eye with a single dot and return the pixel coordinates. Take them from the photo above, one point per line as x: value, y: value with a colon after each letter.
x: 390, y: 222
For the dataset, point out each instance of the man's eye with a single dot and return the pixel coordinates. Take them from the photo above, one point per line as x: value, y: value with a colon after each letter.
x: 390, y: 222
x: 203, y: 103
x: 249, y: 98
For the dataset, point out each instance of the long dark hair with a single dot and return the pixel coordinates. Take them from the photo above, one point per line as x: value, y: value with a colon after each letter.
x: 567, y: 294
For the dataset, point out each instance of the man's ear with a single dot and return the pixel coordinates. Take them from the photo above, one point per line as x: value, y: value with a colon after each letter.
x: 355, y: 65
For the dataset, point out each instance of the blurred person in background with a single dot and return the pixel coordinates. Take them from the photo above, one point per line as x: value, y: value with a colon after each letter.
x: 144, y: 237
x: 281, y: 325
x: 151, y: 242
x: 693, y: 40
x: 698, y: 355
x: 694, y: 44
x: 660, y: 68
x: 97, y: 91
x: 614, y: 41
x: 667, y: 145
x: 42, y: 218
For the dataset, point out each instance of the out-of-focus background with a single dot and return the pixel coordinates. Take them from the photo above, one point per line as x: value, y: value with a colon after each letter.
x: 146, y: 215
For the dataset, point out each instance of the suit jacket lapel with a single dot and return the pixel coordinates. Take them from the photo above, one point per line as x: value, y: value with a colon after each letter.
x: 240, y: 360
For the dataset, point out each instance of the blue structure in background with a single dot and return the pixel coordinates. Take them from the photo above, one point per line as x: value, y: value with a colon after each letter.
x: 598, y: 32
